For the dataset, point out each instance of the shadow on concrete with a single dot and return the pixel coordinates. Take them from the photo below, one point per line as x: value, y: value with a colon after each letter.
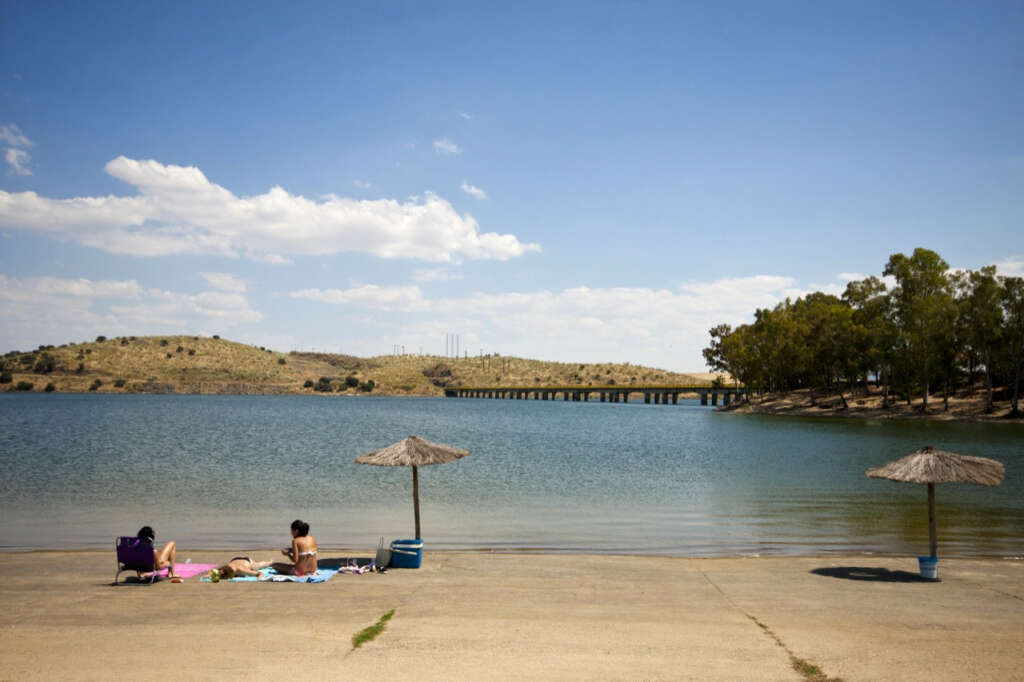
x: 874, y: 574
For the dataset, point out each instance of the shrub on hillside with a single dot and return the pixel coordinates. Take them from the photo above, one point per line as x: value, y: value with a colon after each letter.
x: 351, y: 381
x: 95, y: 384
x: 216, y: 336
x: 45, y: 364
x: 23, y: 386
x: 367, y: 386
x: 50, y: 388
x: 191, y: 351
x: 169, y: 356
x: 308, y: 383
x: 80, y: 368
x: 282, y: 361
x: 163, y: 342
x: 119, y: 383
x: 324, y: 385
x: 181, y: 349
x: 100, y: 339
x: 6, y: 378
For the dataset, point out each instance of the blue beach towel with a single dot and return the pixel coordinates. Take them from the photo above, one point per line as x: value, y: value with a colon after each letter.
x: 269, y: 575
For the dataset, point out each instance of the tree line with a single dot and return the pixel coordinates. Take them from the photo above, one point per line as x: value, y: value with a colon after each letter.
x: 935, y: 329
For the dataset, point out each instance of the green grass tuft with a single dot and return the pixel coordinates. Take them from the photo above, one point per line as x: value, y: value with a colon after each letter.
x: 368, y: 634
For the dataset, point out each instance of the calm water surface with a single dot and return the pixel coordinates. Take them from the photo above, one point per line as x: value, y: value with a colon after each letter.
x: 233, y: 471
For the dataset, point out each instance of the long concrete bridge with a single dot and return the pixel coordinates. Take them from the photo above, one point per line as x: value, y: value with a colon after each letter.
x: 659, y: 395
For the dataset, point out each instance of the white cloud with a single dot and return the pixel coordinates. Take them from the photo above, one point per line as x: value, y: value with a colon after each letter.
x: 271, y: 258
x: 361, y: 184
x: 1011, y: 267
x: 468, y: 117
x: 224, y: 281
x: 36, y: 288
x: 39, y: 310
x: 660, y: 327
x: 850, y: 277
x: 405, y: 298
x: 426, y: 275
x: 12, y: 135
x: 178, y: 210
x: 17, y: 161
x: 446, y: 147
x: 473, y: 191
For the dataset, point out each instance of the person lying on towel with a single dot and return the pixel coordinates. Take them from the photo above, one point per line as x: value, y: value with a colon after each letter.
x: 239, y: 566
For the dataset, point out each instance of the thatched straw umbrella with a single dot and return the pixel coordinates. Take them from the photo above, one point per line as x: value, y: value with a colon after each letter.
x: 413, y: 452
x: 931, y: 465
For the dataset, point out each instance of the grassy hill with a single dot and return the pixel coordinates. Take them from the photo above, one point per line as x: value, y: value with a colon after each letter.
x: 193, y: 364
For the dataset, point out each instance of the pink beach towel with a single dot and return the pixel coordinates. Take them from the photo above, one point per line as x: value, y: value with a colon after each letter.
x: 187, y: 570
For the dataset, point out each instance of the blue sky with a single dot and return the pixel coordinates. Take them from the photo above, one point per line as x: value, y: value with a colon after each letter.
x: 566, y: 181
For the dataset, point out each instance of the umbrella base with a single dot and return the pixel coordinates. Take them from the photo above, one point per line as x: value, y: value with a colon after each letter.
x: 929, y: 566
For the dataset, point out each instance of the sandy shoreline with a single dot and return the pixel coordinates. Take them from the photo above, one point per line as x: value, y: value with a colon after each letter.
x: 801, y: 403
x: 481, y: 615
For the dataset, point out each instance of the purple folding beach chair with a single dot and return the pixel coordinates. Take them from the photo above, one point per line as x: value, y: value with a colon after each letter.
x: 135, y: 554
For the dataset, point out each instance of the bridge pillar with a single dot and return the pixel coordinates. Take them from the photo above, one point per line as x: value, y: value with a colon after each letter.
x: 586, y: 396
x: 675, y: 398
x: 727, y: 398
x: 625, y: 396
x: 647, y: 398
x: 714, y: 397
x: 703, y: 397
x: 602, y: 396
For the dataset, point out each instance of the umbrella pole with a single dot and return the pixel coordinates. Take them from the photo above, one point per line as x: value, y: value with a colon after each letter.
x: 933, y: 545
x: 416, y: 499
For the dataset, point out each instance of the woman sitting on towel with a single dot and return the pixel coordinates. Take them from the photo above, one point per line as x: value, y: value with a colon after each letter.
x: 164, y: 558
x: 302, y: 552
x: 240, y: 565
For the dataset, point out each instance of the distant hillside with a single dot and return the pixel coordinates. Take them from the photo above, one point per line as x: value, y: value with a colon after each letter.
x: 193, y: 364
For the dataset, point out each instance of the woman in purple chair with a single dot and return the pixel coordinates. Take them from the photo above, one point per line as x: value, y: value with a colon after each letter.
x: 163, y: 558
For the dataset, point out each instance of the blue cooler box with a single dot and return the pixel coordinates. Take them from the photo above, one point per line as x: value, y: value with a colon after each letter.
x: 406, y: 553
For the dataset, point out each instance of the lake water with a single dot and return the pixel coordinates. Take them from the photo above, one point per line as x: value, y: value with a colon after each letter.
x: 233, y: 471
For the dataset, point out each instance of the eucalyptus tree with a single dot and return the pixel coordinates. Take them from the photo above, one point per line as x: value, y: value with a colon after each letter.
x: 950, y: 347
x: 982, y: 312
x: 714, y: 355
x: 826, y: 326
x: 1013, y: 331
x: 873, y: 330
x: 920, y: 306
